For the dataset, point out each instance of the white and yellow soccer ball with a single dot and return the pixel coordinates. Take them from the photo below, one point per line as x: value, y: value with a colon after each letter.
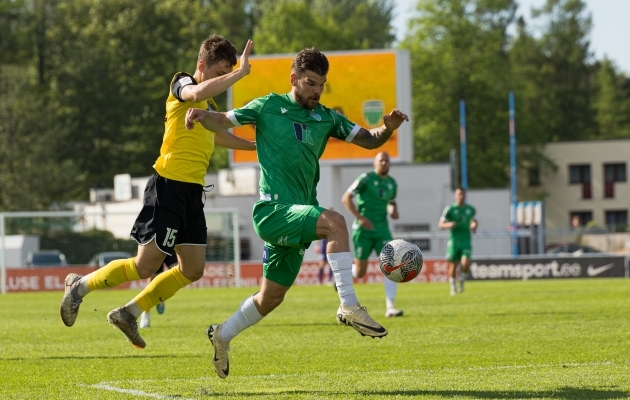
x: 400, y: 260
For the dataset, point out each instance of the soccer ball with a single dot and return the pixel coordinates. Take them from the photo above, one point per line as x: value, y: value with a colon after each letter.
x: 400, y: 260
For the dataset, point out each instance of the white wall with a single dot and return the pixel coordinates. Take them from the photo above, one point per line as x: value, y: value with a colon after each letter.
x: 17, y: 248
x: 424, y: 190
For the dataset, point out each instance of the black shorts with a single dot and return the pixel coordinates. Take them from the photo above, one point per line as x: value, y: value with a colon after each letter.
x: 172, y: 214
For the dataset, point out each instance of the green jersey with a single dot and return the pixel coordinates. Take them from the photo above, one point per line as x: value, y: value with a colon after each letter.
x: 289, y: 142
x: 373, y: 193
x: 462, y: 216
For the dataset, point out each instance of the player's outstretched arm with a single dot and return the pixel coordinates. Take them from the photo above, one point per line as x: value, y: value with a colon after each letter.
x: 212, y: 121
x: 230, y: 141
x: 376, y: 137
x: 220, y: 84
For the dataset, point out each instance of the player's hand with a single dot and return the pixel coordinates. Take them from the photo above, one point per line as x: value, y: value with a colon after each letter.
x: 394, y: 119
x: 366, y: 223
x: 244, y: 63
x: 194, y: 115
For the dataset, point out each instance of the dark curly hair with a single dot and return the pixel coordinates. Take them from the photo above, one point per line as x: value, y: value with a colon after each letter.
x: 310, y: 59
x: 215, y: 49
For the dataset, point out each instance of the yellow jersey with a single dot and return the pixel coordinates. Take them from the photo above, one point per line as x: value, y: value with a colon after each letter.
x: 184, y: 155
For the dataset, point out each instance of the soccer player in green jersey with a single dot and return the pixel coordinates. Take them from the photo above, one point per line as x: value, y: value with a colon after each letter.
x: 459, y: 217
x: 375, y: 193
x: 292, y: 130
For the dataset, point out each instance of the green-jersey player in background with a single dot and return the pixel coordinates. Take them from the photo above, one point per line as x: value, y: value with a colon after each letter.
x: 459, y: 217
x: 292, y: 131
x: 375, y: 194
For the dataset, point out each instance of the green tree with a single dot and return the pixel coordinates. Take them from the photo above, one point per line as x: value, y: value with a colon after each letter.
x: 459, y: 51
x: 288, y: 26
x: 33, y: 172
x: 553, y: 72
x: 110, y: 64
x: 612, y: 103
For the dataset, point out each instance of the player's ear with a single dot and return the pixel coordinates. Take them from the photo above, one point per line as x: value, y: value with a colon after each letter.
x: 294, y: 79
x: 201, y: 64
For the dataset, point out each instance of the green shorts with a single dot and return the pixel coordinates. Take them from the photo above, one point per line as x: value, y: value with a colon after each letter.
x: 287, y: 230
x: 365, y: 241
x: 455, y: 252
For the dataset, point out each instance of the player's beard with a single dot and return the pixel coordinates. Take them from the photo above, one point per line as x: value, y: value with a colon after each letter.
x: 304, y: 102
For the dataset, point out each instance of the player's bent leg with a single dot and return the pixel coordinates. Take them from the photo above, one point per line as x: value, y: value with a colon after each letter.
x: 111, y: 275
x: 145, y: 320
x: 332, y: 226
x: 465, y: 263
x: 360, y: 268
x: 251, y: 311
x: 390, y: 299
x: 166, y: 284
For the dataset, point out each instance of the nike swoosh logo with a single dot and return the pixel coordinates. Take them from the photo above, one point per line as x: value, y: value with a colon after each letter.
x: 390, y: 269
x: 592, y: 271
x: 225, y: 371
x: 381, y: 330
x: 106, y: 284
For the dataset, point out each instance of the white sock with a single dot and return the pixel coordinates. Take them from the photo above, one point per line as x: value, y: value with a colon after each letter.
x: 390, y: 293
x: 341, y: 265
x: 133, y: 308
x: 355, y: 274
x: 452, y: 283
x: 246, y: 316
x: 83, y: 287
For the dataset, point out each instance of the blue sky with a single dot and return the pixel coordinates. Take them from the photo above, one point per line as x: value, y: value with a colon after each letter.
x: 610, y: 35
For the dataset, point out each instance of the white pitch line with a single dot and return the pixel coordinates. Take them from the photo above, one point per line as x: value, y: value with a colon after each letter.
x: 134, y: 392
x: 140, y: 393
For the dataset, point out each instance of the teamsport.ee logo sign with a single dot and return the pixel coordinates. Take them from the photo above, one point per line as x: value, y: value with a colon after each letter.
x: 548, y: 268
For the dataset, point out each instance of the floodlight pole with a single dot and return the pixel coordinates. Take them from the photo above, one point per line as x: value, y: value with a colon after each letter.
x: 462, y: 143
x: 513, y: 173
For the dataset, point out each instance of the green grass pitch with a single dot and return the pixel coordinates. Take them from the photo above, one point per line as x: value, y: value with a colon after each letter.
x: 552, y: 339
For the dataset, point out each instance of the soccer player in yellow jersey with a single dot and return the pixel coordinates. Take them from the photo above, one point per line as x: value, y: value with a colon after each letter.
x: 172, y: 216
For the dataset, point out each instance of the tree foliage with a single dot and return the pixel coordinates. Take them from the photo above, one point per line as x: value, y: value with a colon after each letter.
x: 84, y: 82
x: 291, y: 25
x: 459, y: 51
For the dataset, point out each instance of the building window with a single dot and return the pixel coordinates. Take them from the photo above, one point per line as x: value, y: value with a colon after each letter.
x: 534, y: 176
x: 613, y: 173
x: 423, y: 244
x: 617, y: 220
x: 581, y: 174
x: 580, y: 218
x: 412, y: 228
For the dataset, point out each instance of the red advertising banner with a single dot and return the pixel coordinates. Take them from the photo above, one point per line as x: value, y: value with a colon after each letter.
x: 215, y: 275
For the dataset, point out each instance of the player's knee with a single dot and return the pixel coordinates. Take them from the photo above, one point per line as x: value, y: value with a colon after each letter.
x: 337, y: 223
x: 268, y: 303
x: 193, y: 274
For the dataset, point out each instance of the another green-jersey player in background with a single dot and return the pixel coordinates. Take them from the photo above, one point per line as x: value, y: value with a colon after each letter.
x: 292, y: 131
x: 459, y: 217
x: 375, y: 192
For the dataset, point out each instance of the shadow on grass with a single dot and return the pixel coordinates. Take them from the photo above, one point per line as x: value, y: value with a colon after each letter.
x: 568, y: 393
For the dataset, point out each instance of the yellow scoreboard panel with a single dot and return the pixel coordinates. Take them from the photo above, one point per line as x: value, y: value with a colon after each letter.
x: 363, y: 85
